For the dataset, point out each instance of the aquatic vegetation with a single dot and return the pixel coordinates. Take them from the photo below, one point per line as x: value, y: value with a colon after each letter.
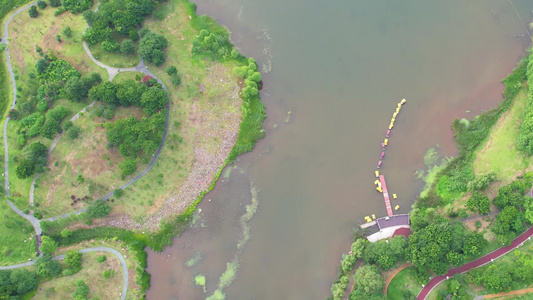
x: 200, y: 280
x: 196, y: 258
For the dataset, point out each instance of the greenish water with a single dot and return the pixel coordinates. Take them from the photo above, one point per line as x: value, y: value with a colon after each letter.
x: 339, y: 67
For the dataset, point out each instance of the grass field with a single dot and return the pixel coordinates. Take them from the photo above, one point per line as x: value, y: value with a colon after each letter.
x: 91, y: 274
x: 499, y: 153
x: 113, y: 59
x: 122, y: 76
x: 187, y: 107
x: 403, y: 284
x: 42, y: 32
x: 87, y: 156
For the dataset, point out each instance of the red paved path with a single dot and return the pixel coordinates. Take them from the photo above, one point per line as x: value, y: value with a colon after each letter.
x: 475, y: 263
x: 386, y: 195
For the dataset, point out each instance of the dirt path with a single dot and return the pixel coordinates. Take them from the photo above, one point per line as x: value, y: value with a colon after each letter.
x: 511, y: 293
x: 392, y: 275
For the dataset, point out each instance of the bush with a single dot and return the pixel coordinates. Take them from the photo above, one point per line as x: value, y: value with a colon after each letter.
x: 66, y: 232
x: 48, y: 245
x: 23, y: 281
x: 171, y: 70
x: 73, y: 132
x: 46, y: 267
x: 25, y: 169
x: 33, y: 12
x: 478, y: 202
x: 127, y: 47
x: 118, y: 193
x: 175, y: 79
x: 134, y: 35
x: 82, y: 290
x: 76, y: 6
x: 101, y: 258
x: 111, y: 45
x: 67, y: 31
x: 55, y: 3
x: 73, y: 260
x: 128, y: 166
x: 108, y: 273
x: 59, y: 11
x: 38, y: 215
x: 98, y: 209
x: 41, y: 4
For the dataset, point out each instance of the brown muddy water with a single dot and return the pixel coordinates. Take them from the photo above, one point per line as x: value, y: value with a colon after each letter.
x: 339, y: 68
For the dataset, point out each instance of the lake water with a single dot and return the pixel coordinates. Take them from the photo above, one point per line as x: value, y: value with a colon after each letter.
x: 339, y: 68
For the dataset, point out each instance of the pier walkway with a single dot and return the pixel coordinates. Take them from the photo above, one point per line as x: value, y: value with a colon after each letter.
x: 386, y: 195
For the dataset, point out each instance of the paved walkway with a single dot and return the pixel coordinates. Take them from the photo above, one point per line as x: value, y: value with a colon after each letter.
x: 475, y: 263
x: 87, y: 250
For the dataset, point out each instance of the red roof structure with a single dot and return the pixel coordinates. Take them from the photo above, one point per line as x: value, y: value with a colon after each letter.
x: 402, y: 231
x: 146, y: 78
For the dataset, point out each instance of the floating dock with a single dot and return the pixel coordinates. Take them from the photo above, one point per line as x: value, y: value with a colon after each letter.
x: 386, y: 195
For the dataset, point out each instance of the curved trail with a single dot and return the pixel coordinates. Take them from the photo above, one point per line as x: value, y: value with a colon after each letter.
x: 475, y: 263
x: 87, y: 250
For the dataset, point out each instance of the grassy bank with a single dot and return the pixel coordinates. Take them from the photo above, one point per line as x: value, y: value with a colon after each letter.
x: 16, y: 241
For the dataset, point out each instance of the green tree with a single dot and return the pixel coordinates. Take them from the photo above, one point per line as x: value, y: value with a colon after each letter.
x: 478, y: 202
x: 127, y: 47
x: 497, y: 278
x: 118, y: 193
x: 368, y: 280
x: 171, y: 70
x: 55, y: 3
x: 73, y: 260
x: 25, y: 168
x: 111, y: 45
x: 98, y: 209
x: 6, y: 288
x: 134, y: 35
x: 67, y: 31
x: 46, y: 267
x: 358, y: 247
x: 66, y: 233
x: 23, y: 281
x: 153, y: 100
x: 48, y: 245
x: 128, y: 166
x: 73, y: 132
x: 175, y: 79
x: 41, y: 4
x: 33, y: 12
x: 82, y: 290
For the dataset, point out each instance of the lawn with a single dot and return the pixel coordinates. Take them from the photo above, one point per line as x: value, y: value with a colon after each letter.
x: 499, y: 153
x: 404, y: 285
x: 88, y: 157
x: 17, y: 241
x: 91, y: 274
x: 123, y: 76
x: 189, y: 105
x: 42, y: 32
x: 114, y: 59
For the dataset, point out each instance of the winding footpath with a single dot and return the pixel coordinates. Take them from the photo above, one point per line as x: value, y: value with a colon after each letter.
x: 87, y: 250
x: 475, y: 263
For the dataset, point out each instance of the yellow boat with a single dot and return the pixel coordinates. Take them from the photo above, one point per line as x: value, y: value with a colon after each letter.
x: 379, y: 189
x: 373, y: 216
x: 403, y: 101
x: 386, y: 142
x: 376, y: 182
x: 377, y: 173
x: 394, y: 196
x: 396, y: 207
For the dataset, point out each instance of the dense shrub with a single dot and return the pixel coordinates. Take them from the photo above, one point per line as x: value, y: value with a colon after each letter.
x: 151, y: 48
x: 127, y: 47
x: 76, y: 6
x: 98, y: 209
x: 73, y: 260
x: 46, y: 267
x: 478, y: 202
